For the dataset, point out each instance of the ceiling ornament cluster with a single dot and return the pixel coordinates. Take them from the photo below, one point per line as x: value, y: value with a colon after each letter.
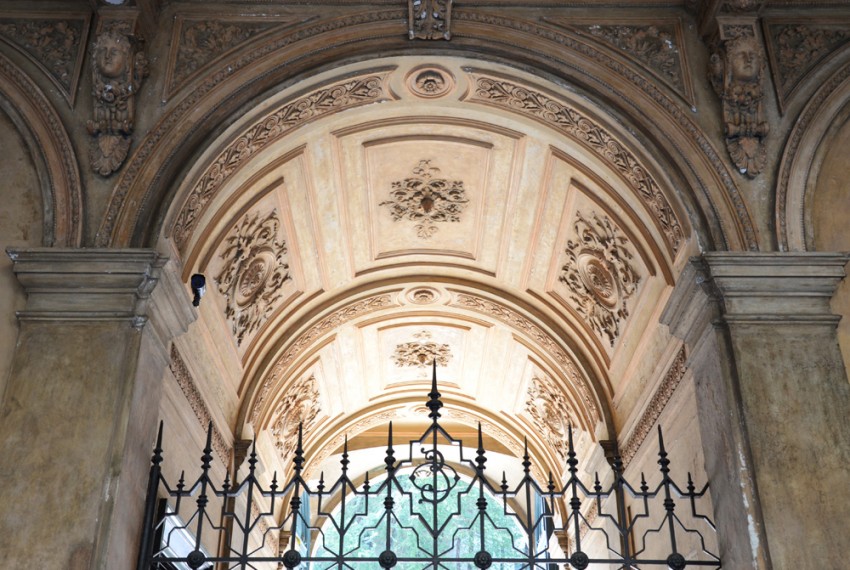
x: 523, y: 99
x: 429, y: 19
x: 352, y: 92
x: 543, y: 339
x: 118, y: 68
x: 550, y: 413
x: 427, y: 199
x: 299, y: 406
x: 422, y: 352
x: 430, y: 82
x: 599, y: 274
x: 254, y: 270
x: 737, y: 74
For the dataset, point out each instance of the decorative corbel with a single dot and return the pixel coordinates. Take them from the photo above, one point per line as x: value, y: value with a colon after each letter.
x: 737, y: 73
x: 118, y: 68
x: 429, y: 19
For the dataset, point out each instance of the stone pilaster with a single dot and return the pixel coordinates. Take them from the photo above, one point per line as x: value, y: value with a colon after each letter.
x: 80, y: 408
x: 773, y: 401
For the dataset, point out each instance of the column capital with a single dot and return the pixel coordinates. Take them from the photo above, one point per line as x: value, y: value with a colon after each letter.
x: 86, y: 284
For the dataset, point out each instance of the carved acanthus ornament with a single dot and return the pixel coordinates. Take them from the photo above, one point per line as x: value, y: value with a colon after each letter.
x: 429, y: 19
x: 334, y: 98
x: 421, y: 352
x: 737, y: 73
x: 118, y: 68
x: 426, y: 198
x: 299, y: 406
x: 599, y: 274
x: 254, y: 271
x: 55, y: 45
x: 551, y: 413
x: 576, y: 125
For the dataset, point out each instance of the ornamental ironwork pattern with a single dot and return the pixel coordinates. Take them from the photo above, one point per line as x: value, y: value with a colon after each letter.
x: 407, y: 514
x: 426, y: 199
x: 599, y: 274
x: 421, y: 352
x: 254, y: 270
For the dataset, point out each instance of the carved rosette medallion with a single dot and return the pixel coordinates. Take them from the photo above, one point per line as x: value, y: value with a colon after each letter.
x: 300, y: 405
x: 118, y: 68
x: 430, y: 82
x: 254, y: 270
x: 550, y: 412
x: 426, y: 199
x: 429, y: 19
x: 599, y: 274
x: 737, y: 71
x: 421, y: 352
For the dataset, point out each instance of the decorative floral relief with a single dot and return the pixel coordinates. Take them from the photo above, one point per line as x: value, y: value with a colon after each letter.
x: 332, y: 99
x: 427, y: 199
x: 422, y: 352
x: 429, y: 19
x: 430, y: 82
x: 799, y: 48
x: 522, y: 99
x: 118, y: 68
x: 737, y: 71
x: 254, y: 271
x: 299, y: 406
x: 599, y: 274
x: 551, y: 413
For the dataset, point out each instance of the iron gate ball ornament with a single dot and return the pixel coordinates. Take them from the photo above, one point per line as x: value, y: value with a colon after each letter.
x: 239, y: 517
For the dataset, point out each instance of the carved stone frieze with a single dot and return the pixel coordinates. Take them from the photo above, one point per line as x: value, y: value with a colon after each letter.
x: 427, y: 199
x: 196, y: 401
x: 798, y: 48
x: 737, y: 73
x: 655, y: 406
x: 330, y: 99
x: 578, y: 126
x: 255, y: 268
x: 542, y: 338
x: 55, y: 43
x: 327, y: 324
x: 299, y: 406
x: 429, y: 19
x: 422, y: 352
x: 118, y: 68
x: 599, y: 274
x: 550, y: 412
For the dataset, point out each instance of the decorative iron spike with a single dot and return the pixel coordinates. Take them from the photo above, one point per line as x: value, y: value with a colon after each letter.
x: 572, y: 462
x: 597, y: 486
x: 274, y: 483
x: 252, y: 458
x: 206, y: 458
x: 526, y: 460
x: 643, y: 486
x: 366, y: 483
x: 551, y: 484
x: 662, y: 455
x: 504, y: 485
x: 226, y: 485
x: 321, y: 485
x: 481, y: 458
x: 157, y: 449
x: 389, y: 460
x: 298, y: 458
x: 434, y: 403
x: 691, y: 487
x: 344, y: 459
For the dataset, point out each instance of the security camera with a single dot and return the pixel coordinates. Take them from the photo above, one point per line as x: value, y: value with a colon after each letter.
x: 199, y: 287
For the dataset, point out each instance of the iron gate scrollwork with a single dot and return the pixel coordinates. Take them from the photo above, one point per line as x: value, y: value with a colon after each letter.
x: 417, y: 515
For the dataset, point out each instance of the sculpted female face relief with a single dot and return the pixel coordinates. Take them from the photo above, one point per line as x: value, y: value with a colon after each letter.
x: 111, y: 56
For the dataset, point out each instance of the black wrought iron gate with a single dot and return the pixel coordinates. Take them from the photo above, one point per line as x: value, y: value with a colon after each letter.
x: 424, y: 512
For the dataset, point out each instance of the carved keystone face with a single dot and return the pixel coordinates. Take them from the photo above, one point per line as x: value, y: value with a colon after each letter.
x: 112, y: 55
x: 744, y: 60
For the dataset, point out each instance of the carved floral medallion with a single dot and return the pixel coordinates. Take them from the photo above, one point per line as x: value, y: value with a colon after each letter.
x: 255, y: 268
x: 599, y: 274
x: 421, y: 352
x: 299, y: 406
x: 550, y: 412
x: 430, y: 82
x: 427, y: 199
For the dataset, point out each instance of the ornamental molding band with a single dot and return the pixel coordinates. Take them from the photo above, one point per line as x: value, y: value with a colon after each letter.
x: 54, y: 42
x: 736, y: 71
x: 569, y: 121
x: 197, y: 41
x: 542, y: 338
x: 422, y: 352
x: 118, y: 68
x: 298, y: 407
x: 551, y: 413
x: 796, y: 49
x: 427, y: 199
x: 656, y: 405
x: 334, y: 98
x: 655, y: 45
x: 429, y: 19
x: 254, y: 271
x: 324, y: 326
x: 196, y: 401
x: 599, y: 275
